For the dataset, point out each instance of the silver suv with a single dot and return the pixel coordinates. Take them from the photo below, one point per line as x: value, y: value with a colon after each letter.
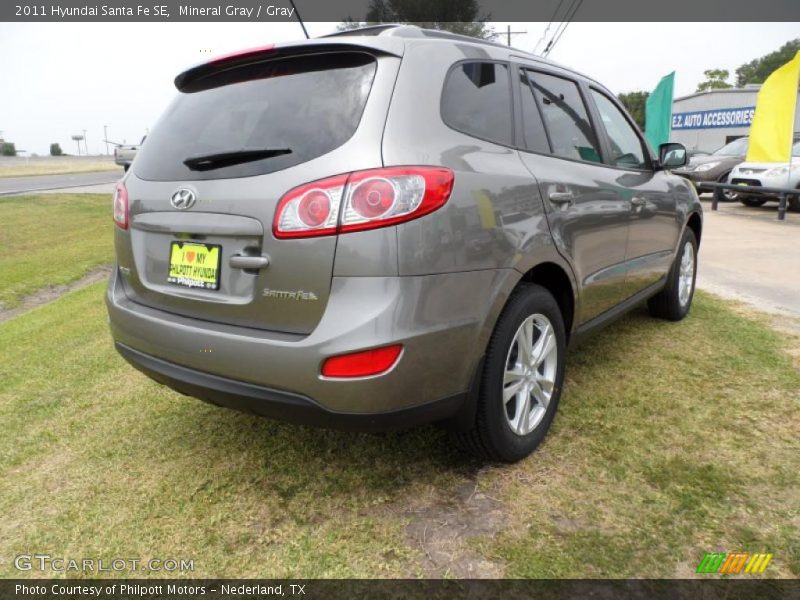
x: 389, y: 227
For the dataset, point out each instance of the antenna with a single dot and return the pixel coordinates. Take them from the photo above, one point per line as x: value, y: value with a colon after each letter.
x: 299, y: 18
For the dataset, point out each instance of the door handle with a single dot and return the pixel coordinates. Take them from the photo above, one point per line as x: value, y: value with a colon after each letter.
x: 638, y: 201
x: 561, y: 197
x: 240, y: 261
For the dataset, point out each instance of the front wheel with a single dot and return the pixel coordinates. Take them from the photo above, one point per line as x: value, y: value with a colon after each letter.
x: 729, y: 195
x: 753, y: 202
x: 522, y: 377
x: 674, y: 301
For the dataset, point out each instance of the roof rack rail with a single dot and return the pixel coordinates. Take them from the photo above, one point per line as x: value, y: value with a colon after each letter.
x: 368, y: 30
x: 408, y: 30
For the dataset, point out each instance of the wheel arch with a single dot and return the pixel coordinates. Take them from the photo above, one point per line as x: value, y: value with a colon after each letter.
x: 695, y: 223
x: 554, y: 279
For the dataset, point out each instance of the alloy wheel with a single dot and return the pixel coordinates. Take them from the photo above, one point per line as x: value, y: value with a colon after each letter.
x: 530, y: 373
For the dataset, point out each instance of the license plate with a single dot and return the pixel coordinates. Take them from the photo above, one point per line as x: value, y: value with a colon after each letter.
x: 194, y: 265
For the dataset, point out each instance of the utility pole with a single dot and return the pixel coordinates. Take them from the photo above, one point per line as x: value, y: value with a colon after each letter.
x: 85, y: 144
x: 509, y: 33
x: 105, y: 137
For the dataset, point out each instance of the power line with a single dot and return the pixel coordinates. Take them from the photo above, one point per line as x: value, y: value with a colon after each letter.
x: 560, y: 28
x: 546, y: 29
x: 558, y: 34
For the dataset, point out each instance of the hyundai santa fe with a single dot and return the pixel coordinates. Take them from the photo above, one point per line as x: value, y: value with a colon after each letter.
x: 389, y: 227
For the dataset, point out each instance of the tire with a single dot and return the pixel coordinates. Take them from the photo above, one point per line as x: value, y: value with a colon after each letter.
x: 753, y: 202
x: 675, y: 300
x: 793, y: 203
x: 126, y: 167
x: 727, y: 195
x: 493, y: 434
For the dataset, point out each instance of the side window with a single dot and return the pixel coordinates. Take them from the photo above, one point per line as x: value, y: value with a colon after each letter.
x: 477, y: 101
x: 564, y: 114
x: 626, y: 146
x: 532, y: 125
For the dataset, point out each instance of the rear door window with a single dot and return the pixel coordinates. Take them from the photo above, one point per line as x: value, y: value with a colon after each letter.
x: 308, y: 105
x: 476, y: 100
x: 565, y: 116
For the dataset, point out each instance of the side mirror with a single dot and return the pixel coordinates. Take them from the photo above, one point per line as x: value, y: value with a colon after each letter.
x: 671, y: 155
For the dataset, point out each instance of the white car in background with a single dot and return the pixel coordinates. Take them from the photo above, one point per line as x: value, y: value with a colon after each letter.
x: 770, y: 175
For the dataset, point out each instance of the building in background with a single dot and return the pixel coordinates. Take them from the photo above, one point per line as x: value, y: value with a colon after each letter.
x: 708, y: 120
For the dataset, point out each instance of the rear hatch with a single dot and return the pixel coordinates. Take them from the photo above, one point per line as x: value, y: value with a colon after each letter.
x: 204, y: 189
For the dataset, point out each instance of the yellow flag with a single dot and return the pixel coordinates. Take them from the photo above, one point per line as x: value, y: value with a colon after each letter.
x: 771, y: 131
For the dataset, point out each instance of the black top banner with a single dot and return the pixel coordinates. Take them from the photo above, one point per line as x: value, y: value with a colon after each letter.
x: 357, y: 10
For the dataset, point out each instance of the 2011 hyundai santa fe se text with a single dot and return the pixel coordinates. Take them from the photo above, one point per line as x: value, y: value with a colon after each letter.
x: 392, y: 226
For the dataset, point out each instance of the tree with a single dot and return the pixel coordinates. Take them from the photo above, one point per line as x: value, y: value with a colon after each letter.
x: 55, y: 150
x: 634, y: 102
x: 757, y: 70
x: 716, y: 79
x: 8, y: 149
x: 457, y: 17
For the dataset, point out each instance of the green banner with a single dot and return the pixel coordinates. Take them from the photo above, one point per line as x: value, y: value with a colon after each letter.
x: 658, y: 112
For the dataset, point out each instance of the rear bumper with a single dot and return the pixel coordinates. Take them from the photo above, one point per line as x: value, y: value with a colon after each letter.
x: 442, y: 321
x: 282, y: 405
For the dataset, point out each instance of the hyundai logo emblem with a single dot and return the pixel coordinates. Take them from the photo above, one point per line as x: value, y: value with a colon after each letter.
x: 183, y: 199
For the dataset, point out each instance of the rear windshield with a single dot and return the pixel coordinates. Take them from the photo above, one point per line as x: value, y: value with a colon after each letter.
x: 309, y: 105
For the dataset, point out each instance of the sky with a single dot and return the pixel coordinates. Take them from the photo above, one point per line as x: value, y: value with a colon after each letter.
x: 58, y: 79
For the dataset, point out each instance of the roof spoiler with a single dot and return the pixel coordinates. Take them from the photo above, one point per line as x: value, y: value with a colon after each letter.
x: 375, y: 45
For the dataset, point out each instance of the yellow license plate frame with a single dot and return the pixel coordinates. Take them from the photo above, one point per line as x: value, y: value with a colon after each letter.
x: 195, y: 265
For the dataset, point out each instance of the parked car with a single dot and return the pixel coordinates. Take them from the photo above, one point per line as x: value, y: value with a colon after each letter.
x: 389, y: 227
x: 124, y: 154
x: 715, y: 167
x: 770, y: 175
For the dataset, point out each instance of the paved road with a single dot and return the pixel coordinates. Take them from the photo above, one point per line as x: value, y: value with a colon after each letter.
x: 748, y: 255
x: 18, y: 185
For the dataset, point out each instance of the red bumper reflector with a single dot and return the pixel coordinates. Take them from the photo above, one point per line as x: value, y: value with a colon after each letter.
x: 362, y: 364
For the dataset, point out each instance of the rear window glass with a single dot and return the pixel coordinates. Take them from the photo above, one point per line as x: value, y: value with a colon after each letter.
x: 477, y: 101
x: 308, y: 104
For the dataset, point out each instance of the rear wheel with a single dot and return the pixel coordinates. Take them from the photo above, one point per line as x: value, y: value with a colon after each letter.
x: 674, y: 301
x: 794, y: 203
x: 752, y: 202
x: 521, y: 381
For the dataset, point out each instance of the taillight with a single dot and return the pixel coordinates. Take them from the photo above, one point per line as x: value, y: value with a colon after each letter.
x: 311, y: 209
x: 362, y: 200
x: 121, y: 206
x: 362, y: 364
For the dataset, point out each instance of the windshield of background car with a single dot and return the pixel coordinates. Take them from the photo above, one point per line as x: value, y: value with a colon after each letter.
x: 309, y: 104
x: 735, y: 148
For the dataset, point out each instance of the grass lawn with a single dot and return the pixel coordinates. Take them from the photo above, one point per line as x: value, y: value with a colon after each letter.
x: 51, y: 239
x: 57, y: 166
x: 672, y: 440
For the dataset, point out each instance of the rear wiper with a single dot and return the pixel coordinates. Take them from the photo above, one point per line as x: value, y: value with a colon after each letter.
x: 228, y: 159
